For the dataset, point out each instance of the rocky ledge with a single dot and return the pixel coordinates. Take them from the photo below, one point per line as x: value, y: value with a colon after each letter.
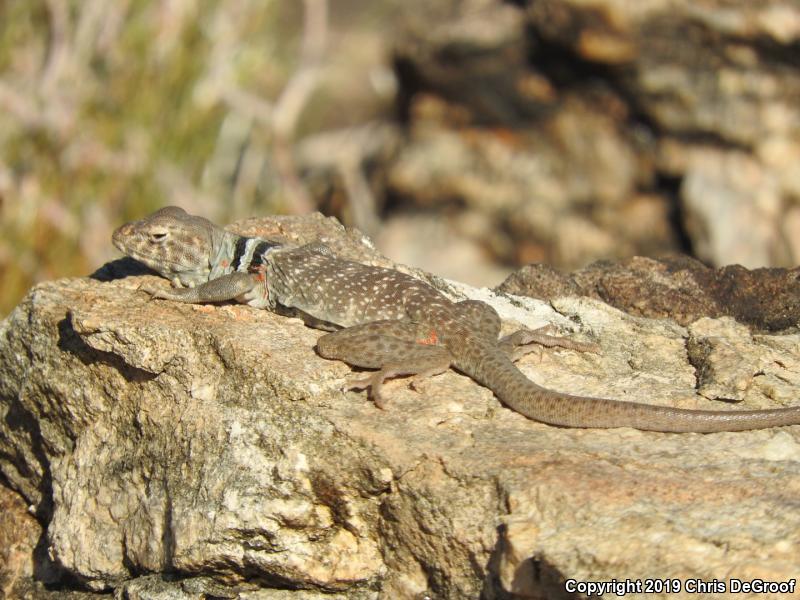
x: 159, y: 450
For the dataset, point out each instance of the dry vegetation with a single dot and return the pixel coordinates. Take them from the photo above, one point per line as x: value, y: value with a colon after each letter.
x: 109, y: 109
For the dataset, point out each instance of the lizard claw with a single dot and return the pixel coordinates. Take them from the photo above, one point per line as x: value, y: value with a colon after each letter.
x: 150, y: 291
x: 418, y: 381
x: 520, y: 351
x: 417, y: 384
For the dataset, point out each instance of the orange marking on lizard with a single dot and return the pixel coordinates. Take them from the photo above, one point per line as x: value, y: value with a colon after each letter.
x: 432, y: 339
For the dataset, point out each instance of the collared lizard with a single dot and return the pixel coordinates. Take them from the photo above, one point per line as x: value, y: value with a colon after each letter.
x: 386, y: 320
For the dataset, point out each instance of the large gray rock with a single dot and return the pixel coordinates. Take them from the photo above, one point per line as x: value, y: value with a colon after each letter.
x: 178, y: 451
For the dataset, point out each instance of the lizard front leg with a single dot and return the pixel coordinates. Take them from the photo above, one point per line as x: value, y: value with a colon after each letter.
x: 227, y: 287
x: 395, y: 348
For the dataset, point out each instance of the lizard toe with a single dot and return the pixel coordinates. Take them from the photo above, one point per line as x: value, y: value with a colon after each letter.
x: 374, y: 383
x: 356, y: 383
x: 417, y: 384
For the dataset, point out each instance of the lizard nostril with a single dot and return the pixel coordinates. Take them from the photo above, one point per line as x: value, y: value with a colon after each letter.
x: 121, y: 234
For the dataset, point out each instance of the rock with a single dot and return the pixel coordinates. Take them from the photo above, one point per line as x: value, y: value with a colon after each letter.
x: 579, y: 131
x: 678, y: 287
x: 539, y: 192
x: 19, y: 533
x: 419, y: 240
x: 156, y: 587
x: 552, y: 169
x: 732, y: 207
x: 697, y: 74
x: 179, y: 451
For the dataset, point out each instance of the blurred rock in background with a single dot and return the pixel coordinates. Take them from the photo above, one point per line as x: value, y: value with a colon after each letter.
x: 468, y: 137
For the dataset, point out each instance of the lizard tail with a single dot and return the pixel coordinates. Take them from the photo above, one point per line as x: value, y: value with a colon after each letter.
x: 491, y: 367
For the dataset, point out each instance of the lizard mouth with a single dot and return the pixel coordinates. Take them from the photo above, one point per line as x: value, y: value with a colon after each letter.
x: 154, y: 261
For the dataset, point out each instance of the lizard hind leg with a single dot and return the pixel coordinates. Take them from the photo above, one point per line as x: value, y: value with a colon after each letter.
x: 485, y: 322
x: 395, y: 348
x: 524, y: 341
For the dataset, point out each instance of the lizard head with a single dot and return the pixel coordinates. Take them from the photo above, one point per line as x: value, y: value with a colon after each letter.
x: 171, y: 242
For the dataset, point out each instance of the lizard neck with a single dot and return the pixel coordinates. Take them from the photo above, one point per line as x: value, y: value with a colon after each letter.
x: 232, y: 252
x: 223, y: 249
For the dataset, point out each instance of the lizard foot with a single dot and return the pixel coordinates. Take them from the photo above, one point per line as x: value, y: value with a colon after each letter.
x: 525, y: 341
x: 160, y: 293
x: 152, y: 292
x: 417, y: 382
x: 373, y: 382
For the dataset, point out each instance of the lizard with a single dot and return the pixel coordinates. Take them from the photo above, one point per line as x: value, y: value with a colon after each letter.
x: 379, y: 318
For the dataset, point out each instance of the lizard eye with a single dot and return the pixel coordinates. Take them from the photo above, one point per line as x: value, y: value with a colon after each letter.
x: 158, y: 236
